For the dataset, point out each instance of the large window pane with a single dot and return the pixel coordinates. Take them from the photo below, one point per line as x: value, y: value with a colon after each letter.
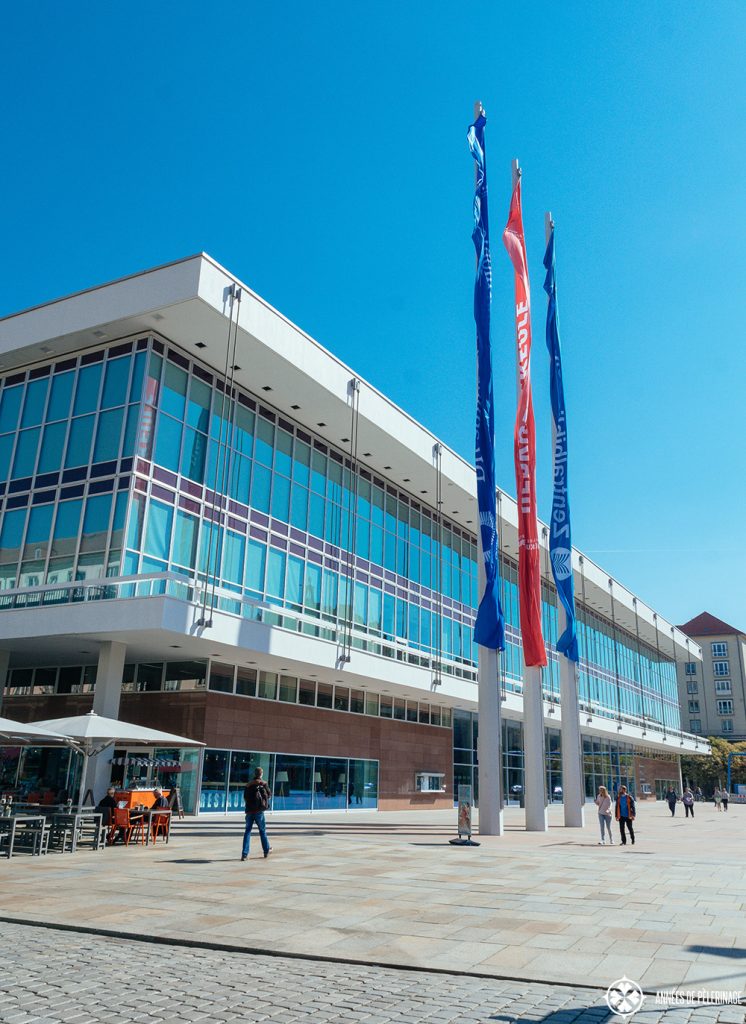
x: 243, y: 765
x: 363, y: 784
x: 158, y: 533
x: 214, y: 781
x: 267, y: 685
x: 33, y: 407
x: 276, y: 574
x: 325, y: 695
x: 221, y: 677
x: 255, y: 566
x: 173, y: 392
x: 96, y: 523
x: 23, y: 464
x: 52, y: 447
x: 38, y: 532
x: 79, y: 442
x: 330, y: 783
x: 66, y: 527
x: 234, y: 547
x: 168, y: 443
x: 11, y: 535
x: 198, y: 409
x: 6, y: 450
x: 86, y: 393
x: 62, y: 392
x: 185, y: 539
x: 288, y: 689
x: 292, y: 783
x: 243, y: 438
x: 307, y: 692
x: 246, y: 681
x: 185, y: 675
x: 10, y: 408
x: 193, y: 455
x: 107, y: 436
x: 116, y: 380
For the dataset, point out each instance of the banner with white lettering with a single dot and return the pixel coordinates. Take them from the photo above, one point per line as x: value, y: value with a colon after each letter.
x: 529, y: 569
x: 489, y: 628
x: 560, y: 534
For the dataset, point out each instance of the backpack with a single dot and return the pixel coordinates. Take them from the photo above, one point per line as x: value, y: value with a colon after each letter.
x: 256, y: 797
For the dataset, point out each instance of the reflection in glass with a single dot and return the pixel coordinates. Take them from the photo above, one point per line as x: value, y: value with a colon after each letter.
x: 330, y: 783
x: 292, y: 783
x: 363, y: 784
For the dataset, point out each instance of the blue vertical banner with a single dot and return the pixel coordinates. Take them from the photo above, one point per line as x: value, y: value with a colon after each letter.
x: 560, y: 536
x: 489, y: 629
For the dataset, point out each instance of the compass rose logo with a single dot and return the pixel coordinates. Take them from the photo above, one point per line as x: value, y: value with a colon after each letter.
x: 624, y: 997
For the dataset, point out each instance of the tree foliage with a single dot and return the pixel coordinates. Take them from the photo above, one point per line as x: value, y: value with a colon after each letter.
x: 712, y: 770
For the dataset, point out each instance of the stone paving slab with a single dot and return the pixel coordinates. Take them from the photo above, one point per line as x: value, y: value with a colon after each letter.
x: 389, y: 889
x: 50, y: 977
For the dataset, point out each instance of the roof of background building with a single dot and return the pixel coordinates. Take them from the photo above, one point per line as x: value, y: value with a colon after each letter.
x: 705, y: 624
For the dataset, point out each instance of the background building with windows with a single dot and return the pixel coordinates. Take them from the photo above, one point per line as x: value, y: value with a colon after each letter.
x: 211, y: 525
x: 713, y: 691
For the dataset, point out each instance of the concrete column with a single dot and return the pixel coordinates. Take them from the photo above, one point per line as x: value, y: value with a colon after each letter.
x: 109, y: 679
x: 106, y: 698
x: 534, y: 761
x: 490, y: 745
x: 573, y: 784
x: 4, y: 661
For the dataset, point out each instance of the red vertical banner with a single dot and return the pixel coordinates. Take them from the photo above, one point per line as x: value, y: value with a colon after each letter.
x: 529, y: 569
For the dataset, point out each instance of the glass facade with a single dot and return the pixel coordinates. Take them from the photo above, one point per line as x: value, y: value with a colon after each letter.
x: 135, y: 460
x: 606, y: 762
x: 297, y: 782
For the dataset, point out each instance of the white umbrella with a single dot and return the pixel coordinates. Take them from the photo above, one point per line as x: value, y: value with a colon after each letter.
x: 27, y: 733
x: 93, y: 733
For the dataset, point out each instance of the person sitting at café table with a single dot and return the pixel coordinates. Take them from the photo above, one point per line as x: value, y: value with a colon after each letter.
x: 160, y: 802
x: 107, y: 804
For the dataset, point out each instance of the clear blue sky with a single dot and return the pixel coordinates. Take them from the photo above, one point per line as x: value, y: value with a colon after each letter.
x: 319, y: 152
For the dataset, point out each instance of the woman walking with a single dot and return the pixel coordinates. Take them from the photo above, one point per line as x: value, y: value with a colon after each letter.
x: 725, y: 797
x: 603, y: 802
x: 718, y: 797
x: 688, y: 802
x: 671, y: 799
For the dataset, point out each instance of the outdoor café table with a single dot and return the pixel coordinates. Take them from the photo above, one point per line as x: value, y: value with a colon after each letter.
x: 23, y: 826
x: 78, y: 825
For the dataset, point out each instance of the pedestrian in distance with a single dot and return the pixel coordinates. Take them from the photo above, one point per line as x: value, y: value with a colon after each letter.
x: 256, y: 798
x: 603, y: 802
x: 671, y: 799
x: 688, y: 802
x: 698, y: 794
x: 625, y: 814
x: 725, y: 797
x: 718, y: 798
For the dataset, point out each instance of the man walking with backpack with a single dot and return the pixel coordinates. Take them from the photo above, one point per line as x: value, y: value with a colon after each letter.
x: 256, y: 797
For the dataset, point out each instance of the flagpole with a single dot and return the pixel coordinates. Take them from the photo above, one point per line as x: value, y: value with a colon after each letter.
x: 534, y: 761
x: 573, y: 785
x: 489, y: 742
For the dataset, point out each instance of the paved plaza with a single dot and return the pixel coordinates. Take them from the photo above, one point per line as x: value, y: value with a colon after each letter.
x: 48, y: 976
x: 555, y: 914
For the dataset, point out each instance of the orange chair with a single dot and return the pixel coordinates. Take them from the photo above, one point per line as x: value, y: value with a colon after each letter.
x: 160, y: 824
x: 128, y: 826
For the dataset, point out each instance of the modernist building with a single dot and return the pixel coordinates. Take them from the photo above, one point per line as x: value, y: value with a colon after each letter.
x: 212, y: 526
x: 713, y: 691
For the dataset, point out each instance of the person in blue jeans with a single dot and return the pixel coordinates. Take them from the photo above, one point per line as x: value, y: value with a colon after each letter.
x: 256, y: 798
x: 625, y: 814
